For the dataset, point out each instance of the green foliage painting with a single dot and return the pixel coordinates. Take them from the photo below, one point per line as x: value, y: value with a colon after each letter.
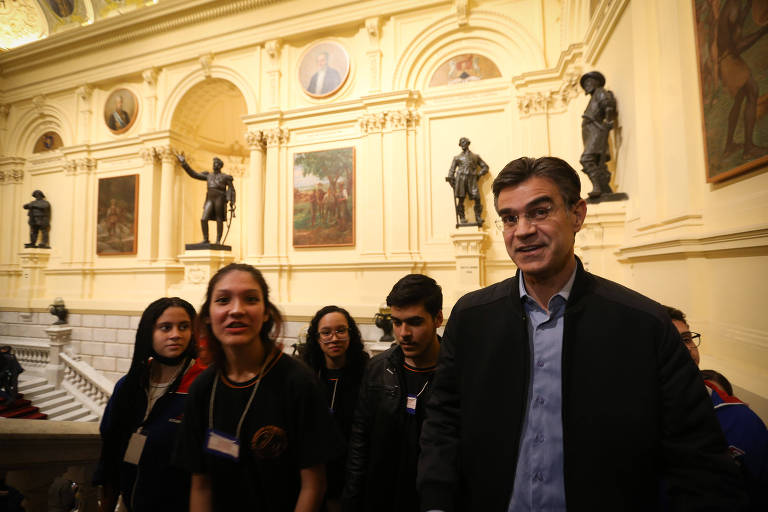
x: 324, y: 198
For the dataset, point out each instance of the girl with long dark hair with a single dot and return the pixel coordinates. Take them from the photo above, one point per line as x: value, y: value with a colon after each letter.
x: 143, y: 414
x: 256, y: 432
x: 335, y: 353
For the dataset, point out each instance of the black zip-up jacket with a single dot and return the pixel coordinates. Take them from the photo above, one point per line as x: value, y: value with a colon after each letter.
x: 377, y: 479
x: 636, y: 416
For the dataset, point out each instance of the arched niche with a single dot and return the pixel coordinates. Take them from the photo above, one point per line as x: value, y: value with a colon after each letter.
x: 495, y: 36
x: 35, y: 122
x: 207, y: 123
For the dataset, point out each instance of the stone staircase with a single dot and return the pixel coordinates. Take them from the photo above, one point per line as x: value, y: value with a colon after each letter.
x: 57, y: 404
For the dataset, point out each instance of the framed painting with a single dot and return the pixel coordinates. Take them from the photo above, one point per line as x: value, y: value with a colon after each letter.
x: 121, y: 110
x: 324, y: 198
x: 732, y: 50
x: 323, y: 69
x: 48, y: 142
x: 116, y: 216
x: 467, y: 67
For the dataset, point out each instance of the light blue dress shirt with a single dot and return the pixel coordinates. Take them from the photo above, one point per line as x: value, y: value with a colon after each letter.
x: 539, y: 480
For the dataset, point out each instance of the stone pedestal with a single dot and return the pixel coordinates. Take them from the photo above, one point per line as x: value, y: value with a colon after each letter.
x: 469, y: 247
x: 33, y: 262
x: 600, y: 236
x: 199, y: 266
x: 59, y: 337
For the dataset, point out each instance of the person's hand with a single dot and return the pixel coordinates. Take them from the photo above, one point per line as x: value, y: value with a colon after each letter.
x: 181, y: 158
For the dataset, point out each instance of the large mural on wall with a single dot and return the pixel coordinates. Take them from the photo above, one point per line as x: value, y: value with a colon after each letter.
x: 467, y: 67
x: 324, y: 198
x: 117, y: 214
x: 732, y: 52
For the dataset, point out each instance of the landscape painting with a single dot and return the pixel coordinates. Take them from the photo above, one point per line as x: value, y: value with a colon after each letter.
x: 324, y: 198
x: 117, y: 213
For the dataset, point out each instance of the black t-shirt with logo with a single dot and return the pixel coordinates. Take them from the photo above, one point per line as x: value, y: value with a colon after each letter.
x: 288, y: 427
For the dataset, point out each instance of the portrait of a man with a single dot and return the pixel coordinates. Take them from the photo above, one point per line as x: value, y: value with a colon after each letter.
x: 323, y: 69
x: 120, y: 110
x: 62, y: 8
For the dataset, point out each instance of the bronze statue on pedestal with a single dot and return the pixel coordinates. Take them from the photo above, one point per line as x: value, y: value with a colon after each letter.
x: 466, y: 169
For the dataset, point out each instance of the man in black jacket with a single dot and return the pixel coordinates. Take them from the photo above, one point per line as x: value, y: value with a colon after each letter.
x: 559, y: 389
x: 384, y: 443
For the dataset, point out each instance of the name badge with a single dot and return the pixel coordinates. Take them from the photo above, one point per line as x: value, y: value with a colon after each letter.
x: 222, y: 445
x: 135, y: 448
x: 410, y: 404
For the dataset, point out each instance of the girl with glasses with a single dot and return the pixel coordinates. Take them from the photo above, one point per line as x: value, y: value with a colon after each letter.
x: 335, y: 352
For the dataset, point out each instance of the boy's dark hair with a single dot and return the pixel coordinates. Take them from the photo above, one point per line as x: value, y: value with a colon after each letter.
x: 416, y: 289
x: 718, y: 378
x: 676, y: 314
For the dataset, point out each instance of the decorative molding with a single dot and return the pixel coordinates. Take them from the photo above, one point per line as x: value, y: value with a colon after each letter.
x: 607, y: 14
x: 746, y: 238
x: 273, y: 48
x: 549, y: 101
x: 255, y: 140
x: 4, y: 110
x: 150, y: 76
x: 206, y: 62
x: 84, y: 92
x: 70, y: 167
x: 373, y: 122
x: 373, y: 27
x: 399, y: 119
x: 38, y: 103
x: 86, y: 165
x: 276, y: 136
x: 15, y: 175
x: 148, y: 155
x: 462, y: 11
x: 165, y: 153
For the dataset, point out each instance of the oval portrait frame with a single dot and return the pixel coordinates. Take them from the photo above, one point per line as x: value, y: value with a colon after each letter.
x: 130, y: 106
x: 338, y: 64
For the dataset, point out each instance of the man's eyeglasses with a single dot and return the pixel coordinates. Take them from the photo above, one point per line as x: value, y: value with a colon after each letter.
x: 327, y: 334
x: 691, y: 338
x: 509, y: 222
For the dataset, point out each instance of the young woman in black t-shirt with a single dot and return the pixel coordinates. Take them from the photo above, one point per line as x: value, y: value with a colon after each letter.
x: 256, y: 433
x: 335, y: 353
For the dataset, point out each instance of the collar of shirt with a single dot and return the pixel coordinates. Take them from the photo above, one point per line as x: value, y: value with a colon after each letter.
x: 564, y: 292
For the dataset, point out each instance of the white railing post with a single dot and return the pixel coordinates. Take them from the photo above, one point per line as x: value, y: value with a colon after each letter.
x: 58, y: 337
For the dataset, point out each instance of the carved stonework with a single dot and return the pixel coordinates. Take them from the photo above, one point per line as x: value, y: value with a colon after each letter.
x: 148, y: 155
x: 373, y: 27
x: 14, y: 176
x: 85, y: 165
x: 22, y: 23
x: 273, y: 48
x: 197, y: 274
x: 371, y: 123
x: 166, y: 153
x: 70, y: 167
x: 206, y: 62
x: 462, y: 11
x: 38, y: 103
x: 84, y: 92
x: 150, y: 76
x: 255, y: 139
x: 399, y: 119
x: 553, y: 100
x: 4, y: 110
x: 2, y: 177
x: 276, y: 136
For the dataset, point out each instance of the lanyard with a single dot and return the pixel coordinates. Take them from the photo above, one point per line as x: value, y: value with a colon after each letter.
x: 423, y: 388
x: 333, y: 398
x: 247, y: 406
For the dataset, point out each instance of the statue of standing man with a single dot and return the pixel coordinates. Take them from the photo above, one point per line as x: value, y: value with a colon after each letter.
x: 39, y: 220
x: 466, y: 169
x: 221, y: 191
x: 596, y: 123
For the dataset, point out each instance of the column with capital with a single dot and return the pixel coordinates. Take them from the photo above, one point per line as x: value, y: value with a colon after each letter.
x: 372, y: 237
x: 167, y: 234
x: 147, y: 235
x: 274, y: 237
x: 254, y: 195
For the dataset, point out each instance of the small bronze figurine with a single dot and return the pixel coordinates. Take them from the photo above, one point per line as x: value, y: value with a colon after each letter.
x: 466, y: 169
x: 596, y: 123
x: 58, y: 310
x: 221, y: 191
x: 384, y: 322
x: 39, y: 220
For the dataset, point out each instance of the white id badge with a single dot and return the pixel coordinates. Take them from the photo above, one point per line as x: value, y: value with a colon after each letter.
x: 410, y: 404
x: 135, y: 447
x: 222, y: 445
